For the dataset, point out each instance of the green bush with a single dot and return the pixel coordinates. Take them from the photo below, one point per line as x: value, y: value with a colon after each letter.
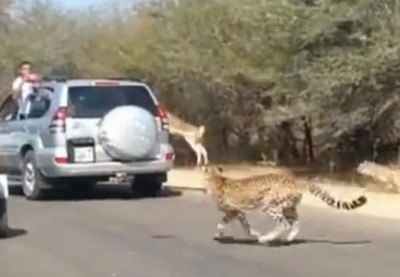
x: 242, y: 67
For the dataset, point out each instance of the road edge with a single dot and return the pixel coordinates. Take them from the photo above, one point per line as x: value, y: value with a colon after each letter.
x: 376, y: 206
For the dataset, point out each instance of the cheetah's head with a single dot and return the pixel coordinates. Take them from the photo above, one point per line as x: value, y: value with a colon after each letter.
x: 211, y: 171
x: 212, y: 176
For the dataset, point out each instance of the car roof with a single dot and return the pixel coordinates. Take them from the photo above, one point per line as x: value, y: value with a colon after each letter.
x: 93, y: 82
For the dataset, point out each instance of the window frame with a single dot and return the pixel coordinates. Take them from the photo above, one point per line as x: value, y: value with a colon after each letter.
x: 76, y: 113
x: 47, y: 95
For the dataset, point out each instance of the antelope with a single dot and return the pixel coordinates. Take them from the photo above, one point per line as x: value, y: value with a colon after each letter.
x: 193, y: 135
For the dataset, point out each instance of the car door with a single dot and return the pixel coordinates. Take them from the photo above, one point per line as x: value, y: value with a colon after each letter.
x: 26, y: 131
x: 8, y: 114
x: 19, y: 137
x: 4, y: 145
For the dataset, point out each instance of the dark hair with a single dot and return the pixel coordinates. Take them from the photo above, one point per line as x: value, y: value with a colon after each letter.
x: 21, y: 64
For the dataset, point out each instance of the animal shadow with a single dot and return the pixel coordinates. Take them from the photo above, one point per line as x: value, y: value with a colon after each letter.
x: 163, y: 236
x: 8, y: 233
x: 282, y: 243
x: 233, y: 240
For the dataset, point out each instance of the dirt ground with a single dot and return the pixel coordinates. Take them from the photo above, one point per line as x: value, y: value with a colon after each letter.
x: 345, y: 186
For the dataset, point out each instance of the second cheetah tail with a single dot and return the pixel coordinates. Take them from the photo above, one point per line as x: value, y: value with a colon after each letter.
x: 335, y: 203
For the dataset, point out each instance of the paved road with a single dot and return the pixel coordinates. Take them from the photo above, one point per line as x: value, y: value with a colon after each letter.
x: 112, y: 235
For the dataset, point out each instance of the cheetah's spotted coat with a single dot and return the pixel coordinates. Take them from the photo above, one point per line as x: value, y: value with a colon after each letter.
x: 276, y: 194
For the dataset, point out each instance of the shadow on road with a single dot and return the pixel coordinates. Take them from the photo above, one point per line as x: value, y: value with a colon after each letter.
x: 15, y: 190
x: 100, y: 192
x: 281, y: 243
x: 163, y: 236
x: 8, y: 233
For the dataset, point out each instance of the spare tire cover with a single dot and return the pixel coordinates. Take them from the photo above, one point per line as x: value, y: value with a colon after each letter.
x: 127, y: 133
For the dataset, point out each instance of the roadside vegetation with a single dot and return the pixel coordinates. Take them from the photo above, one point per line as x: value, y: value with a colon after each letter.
x: 292, y: 80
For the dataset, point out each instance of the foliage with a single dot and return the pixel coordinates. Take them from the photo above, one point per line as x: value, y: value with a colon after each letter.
x: 243, y: 67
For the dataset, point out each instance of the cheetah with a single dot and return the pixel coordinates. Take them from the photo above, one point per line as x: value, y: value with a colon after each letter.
x: 277, y: 194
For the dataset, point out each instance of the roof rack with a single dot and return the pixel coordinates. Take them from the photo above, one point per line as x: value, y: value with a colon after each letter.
x: 118, y: 79
x: 62, y: 79
x: 53, y: 78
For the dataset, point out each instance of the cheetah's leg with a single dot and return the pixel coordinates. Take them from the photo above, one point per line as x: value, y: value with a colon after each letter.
x: 246, y: 226
x: 281, y: 224
x: 292, y: 218
x: 228, y: 217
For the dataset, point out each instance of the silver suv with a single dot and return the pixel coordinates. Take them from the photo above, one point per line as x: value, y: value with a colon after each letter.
x: 61, y: 141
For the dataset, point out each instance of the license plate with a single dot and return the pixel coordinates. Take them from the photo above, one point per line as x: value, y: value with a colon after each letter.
x: 83, y: 154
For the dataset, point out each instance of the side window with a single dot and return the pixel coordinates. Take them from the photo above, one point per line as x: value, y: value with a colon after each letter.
x: 39, y: 103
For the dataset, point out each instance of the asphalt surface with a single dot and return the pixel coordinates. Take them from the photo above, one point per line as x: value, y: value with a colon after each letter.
x: 110, y: 234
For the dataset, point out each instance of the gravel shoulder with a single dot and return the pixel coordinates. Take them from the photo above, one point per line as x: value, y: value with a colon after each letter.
x: 379, y: 204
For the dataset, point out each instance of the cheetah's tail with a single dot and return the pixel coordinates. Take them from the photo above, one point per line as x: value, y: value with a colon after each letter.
x: 338, y: 204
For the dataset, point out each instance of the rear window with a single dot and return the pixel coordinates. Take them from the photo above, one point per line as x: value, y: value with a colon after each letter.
x: 94, y: 102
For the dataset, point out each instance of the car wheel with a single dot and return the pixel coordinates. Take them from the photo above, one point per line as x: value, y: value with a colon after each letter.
x: 147, y: 186
x: 33, y: 182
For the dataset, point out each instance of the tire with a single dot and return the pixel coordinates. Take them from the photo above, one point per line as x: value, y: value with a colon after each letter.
x: 147, y: 185
x: 132, y: 138
x: 33, y: 181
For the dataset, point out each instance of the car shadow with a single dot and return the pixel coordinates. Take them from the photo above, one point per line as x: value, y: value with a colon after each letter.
x: 282, y: 243
x: 100, y: 192
x: 15, y: 190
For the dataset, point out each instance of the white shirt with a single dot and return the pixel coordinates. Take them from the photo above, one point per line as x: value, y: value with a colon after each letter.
x: 26, y: 90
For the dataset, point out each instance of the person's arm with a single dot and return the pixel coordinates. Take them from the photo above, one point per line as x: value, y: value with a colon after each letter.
x: 17, y: 88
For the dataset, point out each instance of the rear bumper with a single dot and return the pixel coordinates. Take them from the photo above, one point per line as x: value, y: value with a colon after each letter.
x: 47, y: 165
x: 105, y: 169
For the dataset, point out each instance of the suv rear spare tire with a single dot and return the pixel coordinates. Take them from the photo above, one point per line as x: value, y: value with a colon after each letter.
x: 127, y: 133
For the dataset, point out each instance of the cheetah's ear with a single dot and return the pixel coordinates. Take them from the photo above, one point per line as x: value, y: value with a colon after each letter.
x: 220, y: 169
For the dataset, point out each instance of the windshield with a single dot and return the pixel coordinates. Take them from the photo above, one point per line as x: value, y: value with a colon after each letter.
x: 95, y: 102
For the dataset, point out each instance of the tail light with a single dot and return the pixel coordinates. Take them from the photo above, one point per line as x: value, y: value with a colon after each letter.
x: 61, y: 160
x: 170, y: 156
x: 59, y: 119
x: 163, y: 117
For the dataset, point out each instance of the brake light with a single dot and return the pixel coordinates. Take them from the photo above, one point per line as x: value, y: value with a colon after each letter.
x: 161, y: 112
x: 61, y: 160
x: 170, y: 156
x: 61, y: 114
x: 59, y: 118
x: 163, y: 117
